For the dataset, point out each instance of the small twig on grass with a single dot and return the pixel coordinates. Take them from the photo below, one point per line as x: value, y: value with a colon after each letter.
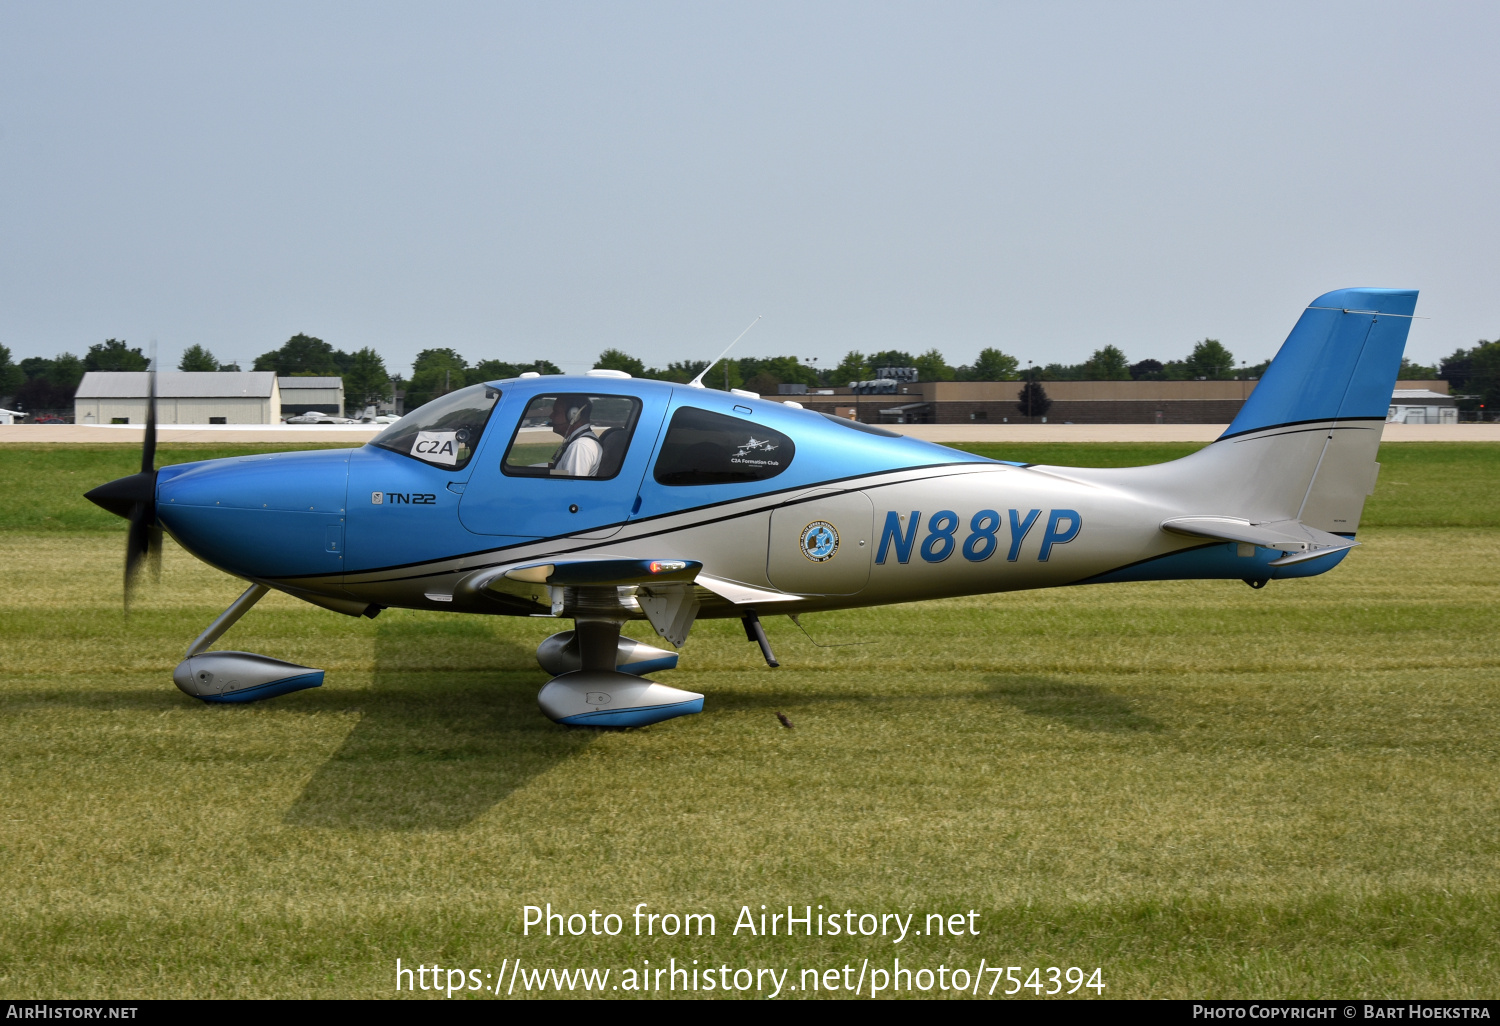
x: 796, y: 620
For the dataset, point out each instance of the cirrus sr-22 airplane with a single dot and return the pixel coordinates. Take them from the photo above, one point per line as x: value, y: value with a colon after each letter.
x: 600, y: 498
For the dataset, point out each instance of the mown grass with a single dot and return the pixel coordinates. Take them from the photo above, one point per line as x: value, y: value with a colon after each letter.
x: 1203, y: 789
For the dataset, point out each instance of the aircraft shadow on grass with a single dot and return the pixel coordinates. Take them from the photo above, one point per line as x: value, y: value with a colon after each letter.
x: 435, y: 749
x: 1080, y: 706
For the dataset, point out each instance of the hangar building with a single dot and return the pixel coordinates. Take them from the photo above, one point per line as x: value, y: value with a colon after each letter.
x: 311, y: 395
x: 182, y: 397
x: 1421, y: 406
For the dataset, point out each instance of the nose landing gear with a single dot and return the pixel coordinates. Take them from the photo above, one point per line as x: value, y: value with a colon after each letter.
x: 238, y: 676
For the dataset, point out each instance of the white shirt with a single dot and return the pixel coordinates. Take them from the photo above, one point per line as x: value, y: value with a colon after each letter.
x: 581, y: 455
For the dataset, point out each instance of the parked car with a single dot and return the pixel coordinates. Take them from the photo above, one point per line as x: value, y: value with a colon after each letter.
x: 369, y: 416
x: 49, y: 418
x: 318, y: 418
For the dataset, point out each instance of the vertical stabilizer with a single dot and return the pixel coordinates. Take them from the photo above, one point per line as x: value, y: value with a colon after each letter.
x: 1311, y: 429
x: 1339, y: 363
x: 1304, y: 444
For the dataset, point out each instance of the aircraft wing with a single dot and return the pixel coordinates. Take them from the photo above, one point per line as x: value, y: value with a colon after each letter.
x: 604, y: 573
x: 541, y: 583
x: 1296, y: 539
x: 668, y: 590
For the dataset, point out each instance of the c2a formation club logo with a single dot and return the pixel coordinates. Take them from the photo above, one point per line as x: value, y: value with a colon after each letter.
x: 820, y: 540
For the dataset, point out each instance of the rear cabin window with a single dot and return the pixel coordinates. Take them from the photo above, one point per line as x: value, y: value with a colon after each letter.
x: 704, y: 448
x: 572, y: 434
x: 871, y: 429
x: 444, y: 432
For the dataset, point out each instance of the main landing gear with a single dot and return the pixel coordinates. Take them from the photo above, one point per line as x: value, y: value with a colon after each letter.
x: 599, y: 680
x: 599, y: 683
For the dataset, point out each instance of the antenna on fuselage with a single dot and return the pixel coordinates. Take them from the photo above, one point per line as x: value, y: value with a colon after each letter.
x: 698, y: 381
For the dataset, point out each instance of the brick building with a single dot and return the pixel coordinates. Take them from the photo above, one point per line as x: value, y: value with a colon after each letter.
x: 1076, y: 402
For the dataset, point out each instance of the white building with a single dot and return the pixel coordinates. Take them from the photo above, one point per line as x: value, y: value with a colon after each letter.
x: 10, y: 416
x: 1421, y: 406
x: 311, y: 395
x: 182, y: 397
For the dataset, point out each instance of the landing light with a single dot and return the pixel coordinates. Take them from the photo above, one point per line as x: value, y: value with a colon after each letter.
x: 666, y: 566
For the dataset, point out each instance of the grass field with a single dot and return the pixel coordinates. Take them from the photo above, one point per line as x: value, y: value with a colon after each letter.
x: 1203, y: 790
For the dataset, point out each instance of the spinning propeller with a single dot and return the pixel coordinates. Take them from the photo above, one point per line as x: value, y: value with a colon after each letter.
x: 134, y: 498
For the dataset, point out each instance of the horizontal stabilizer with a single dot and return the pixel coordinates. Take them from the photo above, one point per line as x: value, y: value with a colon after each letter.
x: 1296, y: 539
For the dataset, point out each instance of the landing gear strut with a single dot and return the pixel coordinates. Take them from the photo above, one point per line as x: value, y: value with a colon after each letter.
x: 238, y: 676
x: 756, y: 633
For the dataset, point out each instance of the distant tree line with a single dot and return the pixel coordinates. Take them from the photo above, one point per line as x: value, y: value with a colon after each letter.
x: 436, y: 372
x: 1208, y: 360
x: 764, y: 373
x: 37, y: 383
x: 303, y: 356
x: 1473, y: 373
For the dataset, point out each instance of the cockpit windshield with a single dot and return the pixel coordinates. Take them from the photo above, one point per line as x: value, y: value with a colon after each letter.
x: 446, y: 431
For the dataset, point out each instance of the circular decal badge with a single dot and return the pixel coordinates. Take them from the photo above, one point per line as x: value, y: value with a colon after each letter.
x: 820, y: 540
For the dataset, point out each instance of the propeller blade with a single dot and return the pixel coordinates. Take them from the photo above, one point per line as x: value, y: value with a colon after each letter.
x: 142, y: 548
x: 137, y: 548
x: 148, y: 447
x: 143, y: 540
x: 153, y: 551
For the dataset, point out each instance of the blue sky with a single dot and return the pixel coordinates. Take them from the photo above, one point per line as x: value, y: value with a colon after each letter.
x: 525, y: 180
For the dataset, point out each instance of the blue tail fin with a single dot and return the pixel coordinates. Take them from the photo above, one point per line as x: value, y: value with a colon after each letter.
x: 1339, y: 363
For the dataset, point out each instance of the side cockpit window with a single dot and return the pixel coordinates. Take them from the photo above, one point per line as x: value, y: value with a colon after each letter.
x: 446, y: 431
x: 572, y: 434
x: 709, y: 448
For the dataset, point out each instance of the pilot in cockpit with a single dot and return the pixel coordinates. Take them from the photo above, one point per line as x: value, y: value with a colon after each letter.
x: 580, y: 453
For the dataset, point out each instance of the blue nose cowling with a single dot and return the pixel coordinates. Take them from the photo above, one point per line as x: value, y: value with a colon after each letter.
x: 273, y: 516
